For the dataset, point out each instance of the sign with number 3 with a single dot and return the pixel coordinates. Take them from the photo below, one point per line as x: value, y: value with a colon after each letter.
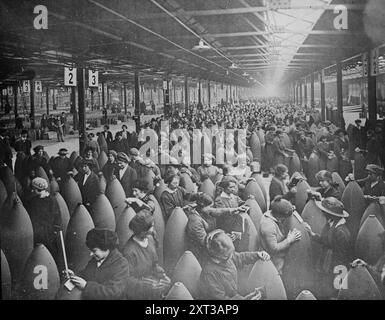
x: 93, y: 78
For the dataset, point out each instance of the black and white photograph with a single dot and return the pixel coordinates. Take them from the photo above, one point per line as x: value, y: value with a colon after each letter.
x: 210, y: 150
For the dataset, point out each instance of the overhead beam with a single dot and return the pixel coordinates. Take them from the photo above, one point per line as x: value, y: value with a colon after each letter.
x: 244, y: 10
x: 309, y: 32
x: 291, y: 46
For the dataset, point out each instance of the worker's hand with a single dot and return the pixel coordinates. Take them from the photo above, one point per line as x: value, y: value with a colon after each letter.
x: 358, y: 262
x: 130, y: 200
x: 294, y: 235
x: 263, y: 255
x: 243, y: 208
x: 165, y: 280
x: 308, y: 228
x: 350, y: 177
x: 255, y: 295
x: 381, y: 200
x: 357, y: 149
x: 79, y: 282
x: 68, y: 273
x: 231, y: 236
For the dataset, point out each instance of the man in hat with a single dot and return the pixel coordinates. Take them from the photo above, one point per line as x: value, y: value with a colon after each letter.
x: 125, y: 173
x: 373, y: 185
x: 106, y: 275
x: 358, y: 138
x: 61, y: 165
x: 336, y: 242
x: 274, y: 238
x: 45, y: 216
x: 88, y: 183
x: 219, y: 280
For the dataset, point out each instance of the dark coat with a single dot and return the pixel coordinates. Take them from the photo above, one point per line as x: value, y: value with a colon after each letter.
x: 127, y: 180
x: 305, y: 147
x: 120, y: 146
x: 340, y: 147
x: 108, y: 137
x: 336, y: 247
x: 377, y: 191
x: 107, y: 282
x: 276, y: 188
x: 109, y: 170
x: 142, y: 263
x: 90, y: 190
x: 46, y: 221
x: 5, y: 152
x: 23, y: 146
x: 219, y: 281
x: 60, y: 166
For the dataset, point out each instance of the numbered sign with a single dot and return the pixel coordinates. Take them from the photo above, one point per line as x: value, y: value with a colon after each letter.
x: 4, y: 92
x: 374, y: 62
x: 70, y: 77
x: 38, y: 87
x: 93, y: 78
x: 100, y: 88
x: 170, y: 84
x: 26, y: 86
x: 10, y: 91
x: 164, y: 85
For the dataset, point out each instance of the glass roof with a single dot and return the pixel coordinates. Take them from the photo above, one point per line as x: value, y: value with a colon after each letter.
x: 290, y: 28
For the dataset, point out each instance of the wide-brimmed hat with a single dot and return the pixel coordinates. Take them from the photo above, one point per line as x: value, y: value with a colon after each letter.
x: 375, y: 169
x: 63, y: 151
x: 333, y: 207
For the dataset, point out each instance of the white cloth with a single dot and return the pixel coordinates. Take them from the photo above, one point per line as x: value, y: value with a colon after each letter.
x: 85, y: 178
x: 122, y: 171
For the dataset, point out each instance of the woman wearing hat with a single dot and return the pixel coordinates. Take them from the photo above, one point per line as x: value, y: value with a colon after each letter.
x: 275, y: 239
x: 148, y: 280
x: 45, y: 216
x: 336, y: 242
x: 61, y: 165
x: 106, y: 275
x: 219, y: 276
x: 373, y: 185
